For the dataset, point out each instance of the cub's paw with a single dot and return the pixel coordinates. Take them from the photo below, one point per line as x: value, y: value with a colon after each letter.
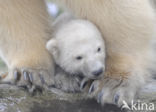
x: 27, y: 78
x: 114, y: 91
x: 67, y: 83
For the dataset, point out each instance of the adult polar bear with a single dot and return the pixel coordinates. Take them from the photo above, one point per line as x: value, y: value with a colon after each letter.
x: 126, y: 25
x: 128, y: 29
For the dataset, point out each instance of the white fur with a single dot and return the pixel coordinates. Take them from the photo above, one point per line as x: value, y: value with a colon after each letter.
x: 75, y: 38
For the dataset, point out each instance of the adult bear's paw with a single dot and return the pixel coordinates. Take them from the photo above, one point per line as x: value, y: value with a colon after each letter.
x: 33, y: 70
x: 114, y: 91
x: 28, y: 78
x: 67, y: 83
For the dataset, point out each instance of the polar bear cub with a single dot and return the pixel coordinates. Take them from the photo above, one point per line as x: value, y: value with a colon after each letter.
x: 78, y: 49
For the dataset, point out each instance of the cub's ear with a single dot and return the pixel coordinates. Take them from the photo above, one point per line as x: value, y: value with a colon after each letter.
x: 52, y: 47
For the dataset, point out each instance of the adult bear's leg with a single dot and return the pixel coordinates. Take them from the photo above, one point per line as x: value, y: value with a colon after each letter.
x: 24, y: 31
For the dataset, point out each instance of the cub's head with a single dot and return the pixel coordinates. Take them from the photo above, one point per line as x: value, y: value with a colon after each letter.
x: 78, y: 48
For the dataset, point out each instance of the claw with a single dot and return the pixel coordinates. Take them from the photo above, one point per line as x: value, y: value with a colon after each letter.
x: 83, y: 84
x: 16, y: 75
x: 42, y: 79
x: 26, y: 78
x: 91, y: 89
x: 30, y: 77
x: 116, y: 98
x: 25, y: 74
x: 100, y: 95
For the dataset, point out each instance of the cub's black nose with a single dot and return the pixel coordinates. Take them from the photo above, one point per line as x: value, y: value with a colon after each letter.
x: 98, y: 72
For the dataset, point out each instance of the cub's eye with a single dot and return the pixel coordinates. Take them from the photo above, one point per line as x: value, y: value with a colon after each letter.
x: 99, y: 49
x: 79, y: 57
